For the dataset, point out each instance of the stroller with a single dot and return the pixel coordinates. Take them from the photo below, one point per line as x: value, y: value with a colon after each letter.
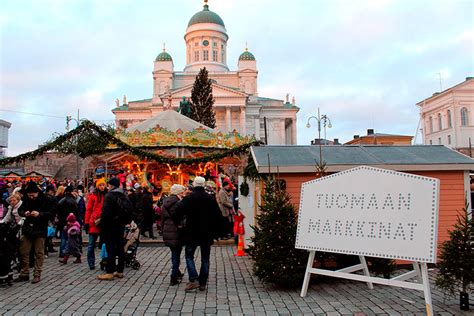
x: 132, y: 241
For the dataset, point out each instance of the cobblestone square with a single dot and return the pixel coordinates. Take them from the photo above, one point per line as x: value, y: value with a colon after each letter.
x: 232, y: 290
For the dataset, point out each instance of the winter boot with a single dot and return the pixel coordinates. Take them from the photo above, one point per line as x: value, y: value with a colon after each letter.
x: 174, y: 281
x: 78, y: 260
x: 105, y: 276
x: 64, y: 260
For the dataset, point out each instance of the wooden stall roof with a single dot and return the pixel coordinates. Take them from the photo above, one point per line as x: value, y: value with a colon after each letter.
x: 303, y: 159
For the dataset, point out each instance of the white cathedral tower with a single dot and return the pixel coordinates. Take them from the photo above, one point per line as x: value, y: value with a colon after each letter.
x: 238, y: 105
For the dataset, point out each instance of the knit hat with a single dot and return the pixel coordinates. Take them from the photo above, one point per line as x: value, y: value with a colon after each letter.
x: 71, y: 218
x: 199, y: 182
x: 69, y: 189
x: 99, y: 182
x: 114, y: 182
x: 32, y: 187
x: 50, y: 187
x: 177, y: 189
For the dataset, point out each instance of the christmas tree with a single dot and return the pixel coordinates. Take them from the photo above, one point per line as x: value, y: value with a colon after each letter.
x: 456, y: 265
x: 275, y: 258
x: 202, y: 100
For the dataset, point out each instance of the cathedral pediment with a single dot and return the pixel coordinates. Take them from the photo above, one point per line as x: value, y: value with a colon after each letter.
x: 218, y: 91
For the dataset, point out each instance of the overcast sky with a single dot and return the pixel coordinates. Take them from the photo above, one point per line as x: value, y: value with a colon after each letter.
x: 364, y: 63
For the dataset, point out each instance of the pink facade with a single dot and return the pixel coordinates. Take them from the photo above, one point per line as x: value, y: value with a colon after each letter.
x: 448, y: 117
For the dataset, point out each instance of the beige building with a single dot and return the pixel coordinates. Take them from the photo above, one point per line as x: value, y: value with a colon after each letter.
x: 448, y: 117
x: 238, y: 104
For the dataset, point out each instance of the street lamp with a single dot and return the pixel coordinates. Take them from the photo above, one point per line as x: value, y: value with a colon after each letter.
x: 78, y: 121
x: 326, y: 123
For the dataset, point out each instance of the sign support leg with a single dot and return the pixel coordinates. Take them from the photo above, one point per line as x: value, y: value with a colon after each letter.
x: 307, y: 274
x: 426, y: 289
x: 416, y: 266
x: 366, y: 271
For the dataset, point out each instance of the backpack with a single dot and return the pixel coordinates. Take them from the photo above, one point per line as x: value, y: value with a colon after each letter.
x: 124, y: 209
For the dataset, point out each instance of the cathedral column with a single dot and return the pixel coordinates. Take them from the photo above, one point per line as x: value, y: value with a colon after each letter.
x: 243, y: 122
x: 282, y: 132
x: 228, y: 119
x: 293, y: 132
x: 257, y: 127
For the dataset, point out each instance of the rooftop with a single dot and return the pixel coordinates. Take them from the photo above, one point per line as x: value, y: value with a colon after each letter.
x: 337, y: 158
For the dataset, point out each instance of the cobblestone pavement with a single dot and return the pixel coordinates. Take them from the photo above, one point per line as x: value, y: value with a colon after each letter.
x: 73, y: 290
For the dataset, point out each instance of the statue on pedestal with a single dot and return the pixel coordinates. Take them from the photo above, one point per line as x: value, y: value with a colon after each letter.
x: 184, y: 107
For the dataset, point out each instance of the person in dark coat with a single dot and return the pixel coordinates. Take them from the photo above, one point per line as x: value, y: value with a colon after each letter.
x: 148, y: 212
x: 202, y: 217
x: 65, y: 206
x: 136, y: 197
x: 112, y: 227
x: 171, y: 225
x: 34, y: 231
x: 52, y: 204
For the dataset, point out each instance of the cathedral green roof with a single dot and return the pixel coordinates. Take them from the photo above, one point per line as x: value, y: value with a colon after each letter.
x: 206, y: 16
x: 164, y: 56
x: 247, y: 56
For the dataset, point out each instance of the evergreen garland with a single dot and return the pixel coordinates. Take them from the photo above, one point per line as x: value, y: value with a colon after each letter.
x: 456, y: 265
x: 202, y: 100
x: 96, y: 141
x: 276, y: 260
x: 250, y: 170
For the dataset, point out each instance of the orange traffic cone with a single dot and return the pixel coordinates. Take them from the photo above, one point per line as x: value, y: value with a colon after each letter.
x: 240, y: 247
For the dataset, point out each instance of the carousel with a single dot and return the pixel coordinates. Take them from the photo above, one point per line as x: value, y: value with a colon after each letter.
x: 188, y: 149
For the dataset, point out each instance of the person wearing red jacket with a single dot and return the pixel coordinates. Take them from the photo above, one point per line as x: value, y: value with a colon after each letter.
x: 92, y: 219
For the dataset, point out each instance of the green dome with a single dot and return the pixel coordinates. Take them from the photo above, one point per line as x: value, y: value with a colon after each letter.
x: 164, y: 56
x: 247, y: 56
x: 206, y: 16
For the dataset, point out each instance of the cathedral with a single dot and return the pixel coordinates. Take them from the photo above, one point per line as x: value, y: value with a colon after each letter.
x: 238, y: 105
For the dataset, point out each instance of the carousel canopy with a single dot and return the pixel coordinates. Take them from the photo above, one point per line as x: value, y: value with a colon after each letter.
x: 169, y: 128
x: 170, y: 120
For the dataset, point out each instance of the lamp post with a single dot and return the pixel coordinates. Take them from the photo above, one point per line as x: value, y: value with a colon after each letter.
x: 326, y: 123
x: 69, y: 118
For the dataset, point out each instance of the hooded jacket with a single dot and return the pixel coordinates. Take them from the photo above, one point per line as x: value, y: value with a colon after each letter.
x: 170, y: 221
x: 94, y: 211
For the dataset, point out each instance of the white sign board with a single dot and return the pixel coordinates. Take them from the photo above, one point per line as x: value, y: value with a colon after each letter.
x: 371, y: 212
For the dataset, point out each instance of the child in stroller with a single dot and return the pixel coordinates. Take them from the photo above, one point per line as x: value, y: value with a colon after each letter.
x: 131, y: 241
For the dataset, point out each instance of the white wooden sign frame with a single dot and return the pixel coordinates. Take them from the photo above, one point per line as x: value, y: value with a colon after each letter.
x: 420, y: 271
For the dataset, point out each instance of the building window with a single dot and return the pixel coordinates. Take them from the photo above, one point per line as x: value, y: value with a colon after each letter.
x: 196, y: 56
x: 439, y: 140
x: 214, y: 44
x: 431, y: 124
x: 205, y: 55
x: 450, y: 123
x: 464, y: 118
x: 449, y: 139
x: 196, y: 44
x: 440, y: 122
x: 431, y: 142
x: 214, y: 55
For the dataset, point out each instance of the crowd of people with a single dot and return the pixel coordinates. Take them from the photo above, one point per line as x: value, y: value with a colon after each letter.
x: 33, y: 213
